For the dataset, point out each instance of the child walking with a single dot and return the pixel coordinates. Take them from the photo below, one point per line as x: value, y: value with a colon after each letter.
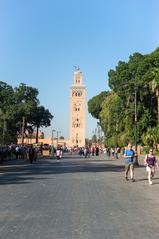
x: 150, y: 163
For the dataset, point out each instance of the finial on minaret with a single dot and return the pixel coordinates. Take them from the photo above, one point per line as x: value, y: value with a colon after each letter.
x: 77, y: 68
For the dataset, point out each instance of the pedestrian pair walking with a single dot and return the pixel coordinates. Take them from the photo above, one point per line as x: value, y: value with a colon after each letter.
x: 150, y: 162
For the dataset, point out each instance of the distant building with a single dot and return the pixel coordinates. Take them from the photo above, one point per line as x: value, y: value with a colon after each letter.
x: 54, y: 142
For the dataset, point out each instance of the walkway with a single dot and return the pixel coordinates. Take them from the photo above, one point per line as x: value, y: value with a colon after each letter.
x: 77, y: 199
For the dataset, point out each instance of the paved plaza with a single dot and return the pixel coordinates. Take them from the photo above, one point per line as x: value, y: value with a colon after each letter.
x: 77, y: 199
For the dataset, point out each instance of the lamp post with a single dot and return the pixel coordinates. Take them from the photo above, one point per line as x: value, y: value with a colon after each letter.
x: 135, y: 115
x: 53, y: 130
x: 23, y: 129
x: 135, y: 118
x: 52, y: 148
x: 99, y: 133
x: 135, y: 133
x: 92, y: 135
x: 58, y: 132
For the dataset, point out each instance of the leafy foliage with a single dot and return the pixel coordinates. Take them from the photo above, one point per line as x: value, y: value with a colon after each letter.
x: 16, y: 104
x: 41, y: 117
x: 116, y: 113
x: 94, y: 104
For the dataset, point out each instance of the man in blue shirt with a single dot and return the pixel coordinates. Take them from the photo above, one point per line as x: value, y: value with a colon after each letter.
x: 129, y: 156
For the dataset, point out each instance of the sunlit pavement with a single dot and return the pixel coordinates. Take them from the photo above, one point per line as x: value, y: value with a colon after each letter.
x: 77, y: 198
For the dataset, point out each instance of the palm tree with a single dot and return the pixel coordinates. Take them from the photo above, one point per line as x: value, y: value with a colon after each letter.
x: 155, y: 88
x: 151, y: 137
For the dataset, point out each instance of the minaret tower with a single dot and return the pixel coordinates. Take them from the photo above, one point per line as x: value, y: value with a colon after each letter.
x: 77, y: 111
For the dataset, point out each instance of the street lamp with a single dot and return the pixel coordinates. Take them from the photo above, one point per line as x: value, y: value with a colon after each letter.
x: 23, y: 129
x: 99, y: 133
x: 53, y: 130
x: 135, y: 104
x: 58, y: 132
x: 135, y: 114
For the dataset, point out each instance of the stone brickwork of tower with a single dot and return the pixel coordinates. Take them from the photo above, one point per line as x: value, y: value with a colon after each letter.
x: 77, y: 111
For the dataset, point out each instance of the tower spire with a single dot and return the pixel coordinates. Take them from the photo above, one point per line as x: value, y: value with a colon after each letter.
x: 77, y: 76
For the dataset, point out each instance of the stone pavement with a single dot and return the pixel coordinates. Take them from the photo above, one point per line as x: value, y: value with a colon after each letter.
x: 77, y: 199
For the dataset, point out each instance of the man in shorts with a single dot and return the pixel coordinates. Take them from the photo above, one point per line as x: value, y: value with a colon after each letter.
x: 129, y: 156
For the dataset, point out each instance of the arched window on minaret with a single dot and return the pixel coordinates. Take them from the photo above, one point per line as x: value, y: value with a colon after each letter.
x: 77, y: 106
x: 76, y: 123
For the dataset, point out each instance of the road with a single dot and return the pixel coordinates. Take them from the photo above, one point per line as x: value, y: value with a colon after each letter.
x: 77, y: 199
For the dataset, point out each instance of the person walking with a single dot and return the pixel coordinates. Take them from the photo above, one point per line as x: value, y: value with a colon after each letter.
x: 97, y: 151
x: 31, y: 153
x: 93, y: 151
x: 58, y: 153
x: 129, y: 156
x: 150, y: 162
x: 112, y: 152
x: 85, y: 152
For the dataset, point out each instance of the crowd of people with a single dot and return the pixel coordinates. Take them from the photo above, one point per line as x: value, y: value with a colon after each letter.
x: 18, y: 152
x: 88, y: 151
x: 29, y: 152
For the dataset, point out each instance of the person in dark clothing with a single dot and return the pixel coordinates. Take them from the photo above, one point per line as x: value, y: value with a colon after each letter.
x: 108, y: 152
x: 31, y: 154
x: 1, y: 154
x: 97, y: 151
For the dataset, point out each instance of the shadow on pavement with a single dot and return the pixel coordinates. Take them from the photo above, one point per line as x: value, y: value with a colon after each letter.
x: 145, y: 179
x: 26, y: 173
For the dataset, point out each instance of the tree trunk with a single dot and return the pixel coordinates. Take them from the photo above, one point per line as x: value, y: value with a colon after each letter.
x: 23, y: 129
x: 158, y: 108
x: 157, y: 94
x: 37, y: 134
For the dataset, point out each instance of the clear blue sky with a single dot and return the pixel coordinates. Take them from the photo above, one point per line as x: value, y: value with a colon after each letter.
x: 41, y: 41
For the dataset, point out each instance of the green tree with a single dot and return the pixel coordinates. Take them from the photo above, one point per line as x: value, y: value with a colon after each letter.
x: 151, y: 137
x: 95, y: 104
x: 135, y: 75
x: 133, y: 83
x: 111, y: 118
x: 25, y: 102
x: 6, y: 104
x: 17, y: 104
x: 41, y: 117
x: 94, y: 139
x: 61, y: 137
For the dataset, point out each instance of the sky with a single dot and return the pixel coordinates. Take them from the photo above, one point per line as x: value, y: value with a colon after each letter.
x: 42, y: 40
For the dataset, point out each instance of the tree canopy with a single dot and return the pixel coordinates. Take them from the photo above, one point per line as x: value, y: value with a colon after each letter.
x: 15, y: 104
x: 95, y: 104
x: 116, y: 110
x: 41, y: 118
